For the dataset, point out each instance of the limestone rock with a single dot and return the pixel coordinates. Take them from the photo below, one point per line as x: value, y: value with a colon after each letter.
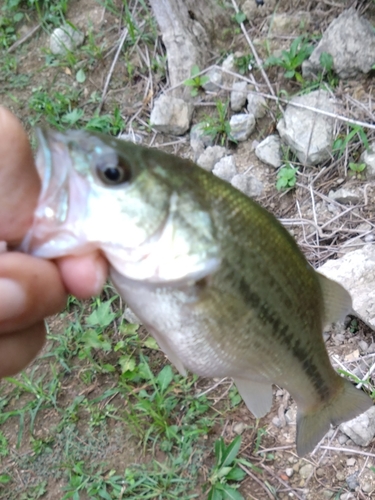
x: 356, y: 272
x: 269, y: 151
x: 171, y: 115
x: 308, y: 133
x: 65, y: 39
x: 241, y: 126
x: 350, y: 40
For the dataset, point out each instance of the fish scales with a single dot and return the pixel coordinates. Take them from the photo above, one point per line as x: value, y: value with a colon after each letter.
x: 217, y: 280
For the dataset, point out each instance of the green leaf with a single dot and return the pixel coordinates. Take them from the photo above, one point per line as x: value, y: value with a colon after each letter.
x: 231, y: 494
x: 151, y: 343
x: 165, y: 377
x: 127, y: 363
x: 326, y: 61
x: 235, y: 474
x: 80, y: 76
x: 102, y: 316
x: 72, y: 117
x: 289, y: 74
x: 231, y: 451
x: 240, y: 17
x: 94, y: 340
x: 215, y: 494
x: 194, y: 70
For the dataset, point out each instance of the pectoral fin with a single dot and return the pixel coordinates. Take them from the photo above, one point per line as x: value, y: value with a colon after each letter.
x: 257, y: 395
x: 337, y: 300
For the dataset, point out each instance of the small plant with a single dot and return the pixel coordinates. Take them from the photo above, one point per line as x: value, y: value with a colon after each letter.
x: 326, y: 62
x: 356, y: 169
x: 244, y: 64
x: 196, y: 81
x: 219, y: 126
x: 292, y: 59
x: 226, y: 469
x: 342, y: 141
x: 286, y: 177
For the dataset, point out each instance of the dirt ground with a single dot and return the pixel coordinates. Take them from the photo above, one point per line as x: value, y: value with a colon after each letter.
x: 269, y: 443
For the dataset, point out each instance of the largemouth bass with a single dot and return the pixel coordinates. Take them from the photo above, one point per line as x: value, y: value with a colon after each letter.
x: 213, y: 276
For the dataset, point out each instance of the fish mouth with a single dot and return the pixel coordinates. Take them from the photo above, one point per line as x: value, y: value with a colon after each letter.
x: 53, y: 164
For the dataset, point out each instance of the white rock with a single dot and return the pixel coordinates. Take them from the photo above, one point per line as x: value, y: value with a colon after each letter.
x: 211, y: 156
x: 248, y: 184
x: 65, y: 39
x: 257, y: 105
x: 363, y: 345
x: 368, y: 157
x: 131, y: 137
x: 367, y: 487
x: 225, y: 168
x: 215, y: 80
x: 350, y: 40
x: 361, y: 429
x: 289, y: 472
x: 238, y: 95
x: 344, y: 196
x: 229, y: 63
x: 131, y: 317
x: 309, y: 134
x: 347, y: 496
x: 199, y: 139
x: 239, y: 427
x: 269, y: 151
x: 171, y: 115
x: 241, y: 126
x: 356, y: 272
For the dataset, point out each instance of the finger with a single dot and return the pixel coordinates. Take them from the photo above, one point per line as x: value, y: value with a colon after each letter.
x: 30, y: 290
x: 18, y: 349
x: 84, y: 276
x: 19, y: 180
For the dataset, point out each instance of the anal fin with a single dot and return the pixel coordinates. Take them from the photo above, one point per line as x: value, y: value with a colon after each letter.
x: 337, y: 300
x: 256, y: 395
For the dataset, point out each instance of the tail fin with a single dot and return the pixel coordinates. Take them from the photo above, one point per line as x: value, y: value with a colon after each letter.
x: 312, y: 426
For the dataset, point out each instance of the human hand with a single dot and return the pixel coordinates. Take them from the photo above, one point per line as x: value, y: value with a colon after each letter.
x: 31, y: 288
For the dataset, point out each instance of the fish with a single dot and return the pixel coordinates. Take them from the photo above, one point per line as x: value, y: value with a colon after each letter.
x: 214, y: 277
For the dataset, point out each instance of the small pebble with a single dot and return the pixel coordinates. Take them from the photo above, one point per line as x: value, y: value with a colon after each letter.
x: 306, y: 470
x: 367, y: 487
x: 340, y: 476
x: 350, y: 462
x: 342, y: 439
x: 352, y: 481
x: 346, y: 496
x: 239, y: 428
x: 289, y: 472
x: 363, y: 345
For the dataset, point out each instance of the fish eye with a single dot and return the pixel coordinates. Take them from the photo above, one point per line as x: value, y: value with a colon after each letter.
x: 113, y: 175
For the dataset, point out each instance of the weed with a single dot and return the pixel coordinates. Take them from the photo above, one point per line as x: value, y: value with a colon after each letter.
x: 226, y: 470
x: 244, y: 64
x: 286, y: 177
x: 356, y: 170
x: 196, y: 81
x: 292, y: 59
x: 342, y: 141
x: 218, y: 126
x: 326, y: 62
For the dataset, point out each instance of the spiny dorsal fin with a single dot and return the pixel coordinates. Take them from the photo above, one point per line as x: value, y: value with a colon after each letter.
x: 337, y: 300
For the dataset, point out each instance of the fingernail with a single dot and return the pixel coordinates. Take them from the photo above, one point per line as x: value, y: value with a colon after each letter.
x: 12, y: 299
